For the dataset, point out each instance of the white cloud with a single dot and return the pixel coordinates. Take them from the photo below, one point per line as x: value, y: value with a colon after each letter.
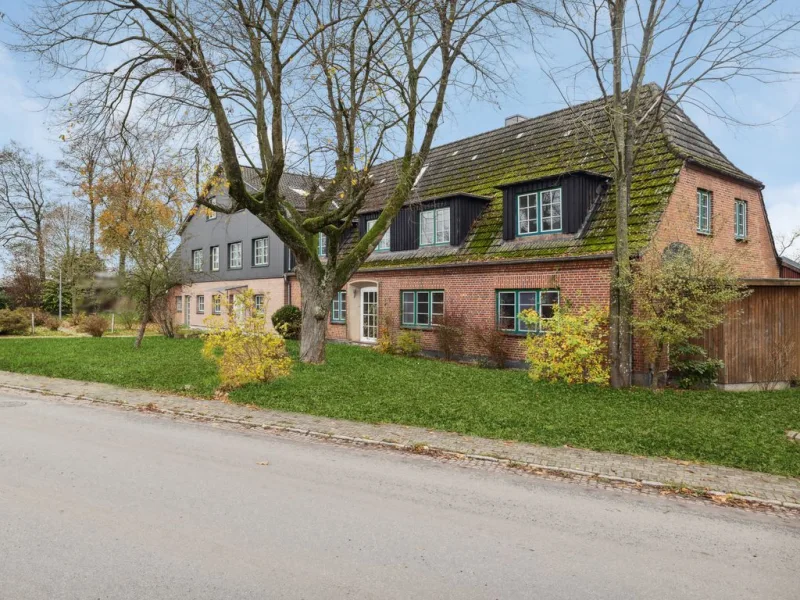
x: 783, y: 208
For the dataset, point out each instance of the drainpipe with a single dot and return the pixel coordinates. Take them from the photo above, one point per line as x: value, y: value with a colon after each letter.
x: 288, y: 291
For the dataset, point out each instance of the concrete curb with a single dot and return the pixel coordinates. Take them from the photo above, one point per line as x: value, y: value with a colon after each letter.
x: 416, y: 449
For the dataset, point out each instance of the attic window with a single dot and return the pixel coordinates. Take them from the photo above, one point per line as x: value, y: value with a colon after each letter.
x: 539, y: 212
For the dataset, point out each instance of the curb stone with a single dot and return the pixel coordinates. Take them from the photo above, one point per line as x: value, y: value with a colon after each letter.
x: 679, y: 487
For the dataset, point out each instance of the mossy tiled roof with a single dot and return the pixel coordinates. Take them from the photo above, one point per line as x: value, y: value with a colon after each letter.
x: 549, y: 146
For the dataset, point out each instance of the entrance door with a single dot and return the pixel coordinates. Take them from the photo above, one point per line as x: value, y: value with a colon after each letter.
x: 369, y: 314
x: 186, y: 307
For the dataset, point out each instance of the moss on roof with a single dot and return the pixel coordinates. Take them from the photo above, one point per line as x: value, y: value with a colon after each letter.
x: 551, y: 146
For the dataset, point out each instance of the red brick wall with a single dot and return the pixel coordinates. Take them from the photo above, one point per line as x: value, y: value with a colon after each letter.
x: 753, y: 257
x: 470, y: 291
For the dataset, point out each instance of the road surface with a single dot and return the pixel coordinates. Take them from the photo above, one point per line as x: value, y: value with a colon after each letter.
x: 99, y: 503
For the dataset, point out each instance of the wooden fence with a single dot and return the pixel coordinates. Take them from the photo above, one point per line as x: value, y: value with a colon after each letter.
x: 760, y: 339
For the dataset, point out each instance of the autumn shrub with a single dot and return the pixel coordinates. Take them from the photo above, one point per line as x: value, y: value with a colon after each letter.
x: 77, y: 318
x: 52, y: 323
x: 572, y: 346
x: 94, y: 325
x: 14, y: 322
x: 491, y: 344
x: 449, y: 332
x: 128, y: 318
x: 245, y: 350
x: 287, y: 320
x: 386, y: 343
x: 409, y: 343
x: 692, y: 368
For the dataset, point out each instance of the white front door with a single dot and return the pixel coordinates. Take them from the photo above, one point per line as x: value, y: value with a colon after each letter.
x: 369, y: 314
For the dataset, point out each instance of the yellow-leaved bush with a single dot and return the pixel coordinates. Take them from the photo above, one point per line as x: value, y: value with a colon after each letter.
x: 244, y: 347
x: 572, y: 346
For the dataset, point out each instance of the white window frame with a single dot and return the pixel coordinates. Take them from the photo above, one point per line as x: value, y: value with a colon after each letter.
x: 179, y: 304
x: 214, y: 257
x: 386, y: 241
x: 258, y: 303
x: 200, y: 304
x: 197, y: 260
x: 740, y: 219
x: 322, y: 245
x: 231, y: 246
x: 216, y: 304
x: 705, y: 207
x: 264, y: 262
x: 440, y: 234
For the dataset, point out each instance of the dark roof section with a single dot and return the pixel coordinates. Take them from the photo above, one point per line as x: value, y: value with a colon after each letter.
x: 791, y: 264
x: 551, y: 145
x: 293, y: 186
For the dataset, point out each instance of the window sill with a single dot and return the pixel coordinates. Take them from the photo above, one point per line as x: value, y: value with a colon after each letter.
x: 706, y: 233
x: 234, y: 268
x: 742, y: 240
x: 260, y: 266
x: 332, y: 322
x: 417, y: 327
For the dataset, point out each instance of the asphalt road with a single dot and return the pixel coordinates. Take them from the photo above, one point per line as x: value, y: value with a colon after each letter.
x: 98, y: 503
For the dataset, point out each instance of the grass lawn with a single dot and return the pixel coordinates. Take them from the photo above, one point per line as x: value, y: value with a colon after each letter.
x: 743, y: 430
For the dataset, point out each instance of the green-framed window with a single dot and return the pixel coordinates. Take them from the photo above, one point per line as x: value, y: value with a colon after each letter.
x: 510, y: 303
x: 386, y: 241
x: 740, y: 219
x: 539, y: 212
x: 705, y: 203
x: 339, y: 307
x: 434, y: 227
x: 421, y: 308
x: 322, y: 245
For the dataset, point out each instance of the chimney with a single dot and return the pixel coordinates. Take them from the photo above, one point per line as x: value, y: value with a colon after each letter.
x: 514, y: 119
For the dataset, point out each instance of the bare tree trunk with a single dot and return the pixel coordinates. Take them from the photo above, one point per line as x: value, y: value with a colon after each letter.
x: 92, y: 223
x: 41, y: 255
x: 142, y: 327
x: 316, y: 302
x: 621, y: 346
x: 123, y: 259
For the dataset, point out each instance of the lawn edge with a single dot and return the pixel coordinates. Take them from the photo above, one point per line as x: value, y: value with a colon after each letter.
x: 677, y: 488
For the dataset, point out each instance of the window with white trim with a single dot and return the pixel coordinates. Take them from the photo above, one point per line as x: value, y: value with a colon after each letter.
x: 510, y: 303
x: 179, y: 304
x: 201, y: 304
x: 214, y: 258
x: 434, y: 227
x: 386, y: 241
x: 421, y: 308
x: 258, y: 304
x: 539, y: 212
x: 322, y: 245
x: 704, y: 211
x: 197, y: 260
x: 261, y: 252
x: 235, y: 255
x: 216, y: 304
x: 740, y: 219
x: 339, y: 307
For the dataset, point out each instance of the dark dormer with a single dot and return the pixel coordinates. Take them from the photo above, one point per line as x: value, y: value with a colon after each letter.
x: 551, y: 205
x: 443, y: 221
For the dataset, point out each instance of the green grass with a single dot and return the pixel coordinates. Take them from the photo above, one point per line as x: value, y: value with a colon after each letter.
x: 743, y: 430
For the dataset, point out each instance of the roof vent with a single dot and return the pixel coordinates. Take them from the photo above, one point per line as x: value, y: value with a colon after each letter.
x: 514, y: 119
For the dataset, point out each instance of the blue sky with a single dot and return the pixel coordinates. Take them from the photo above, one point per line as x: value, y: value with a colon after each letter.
x: 767, y: 152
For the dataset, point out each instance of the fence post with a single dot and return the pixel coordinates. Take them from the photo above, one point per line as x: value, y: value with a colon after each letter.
x: 112, y: 322
x: 33, y: 325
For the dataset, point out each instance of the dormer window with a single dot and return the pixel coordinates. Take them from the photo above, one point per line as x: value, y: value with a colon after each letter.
x: 434, y: 227
x: 539, y: 212
x: 386, y: 241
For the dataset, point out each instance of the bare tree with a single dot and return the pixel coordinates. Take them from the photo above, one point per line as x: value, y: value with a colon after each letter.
x: 786, y: 242
x: 25, y: 201
x: 690, y: 46
x: 328, y: 88
x: 81, y: 163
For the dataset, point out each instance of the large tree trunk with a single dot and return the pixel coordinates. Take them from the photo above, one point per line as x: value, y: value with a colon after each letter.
x: 621, y: 294
x: 142, y: 328
x: 316, y: 304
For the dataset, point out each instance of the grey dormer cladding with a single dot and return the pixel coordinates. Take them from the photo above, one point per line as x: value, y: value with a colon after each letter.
x: 579, y: 192
x: 404, y: 230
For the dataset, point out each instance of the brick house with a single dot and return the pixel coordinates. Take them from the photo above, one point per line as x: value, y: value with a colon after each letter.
x: 523, y: 217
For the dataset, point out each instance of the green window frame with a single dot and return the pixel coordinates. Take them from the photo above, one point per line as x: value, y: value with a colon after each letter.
x: 740, y: 219
x: 386, y: 241
x: 421, y: 309
x: 540, y: 212
x: 434, y: 227
x: 322, y: 245
x: 510, y: 303
x: 339, y: 308
x: 705, y: 206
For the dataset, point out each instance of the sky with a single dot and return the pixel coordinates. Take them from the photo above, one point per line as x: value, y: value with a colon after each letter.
x: 768, y: 152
